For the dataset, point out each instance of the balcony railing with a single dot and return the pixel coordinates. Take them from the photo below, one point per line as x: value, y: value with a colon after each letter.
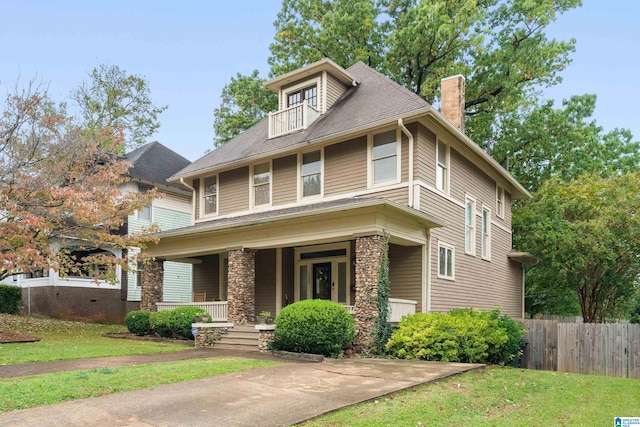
x: 291, y: 119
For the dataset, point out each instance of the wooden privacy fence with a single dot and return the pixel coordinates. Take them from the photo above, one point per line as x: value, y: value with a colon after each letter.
x: 611, y: 349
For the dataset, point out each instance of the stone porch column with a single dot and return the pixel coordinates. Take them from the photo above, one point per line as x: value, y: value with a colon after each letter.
x: 368, y: 255
x: 152, y: 284
x: 241, y: 294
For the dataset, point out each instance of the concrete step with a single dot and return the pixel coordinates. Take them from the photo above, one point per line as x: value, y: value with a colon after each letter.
x: 236, y: 347
x: 241, y: 341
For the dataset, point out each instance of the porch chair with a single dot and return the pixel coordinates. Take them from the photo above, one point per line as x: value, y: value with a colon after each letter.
x: 200, y: 296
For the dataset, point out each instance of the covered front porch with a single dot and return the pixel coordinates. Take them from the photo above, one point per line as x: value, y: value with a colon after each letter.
x: 262, y: 262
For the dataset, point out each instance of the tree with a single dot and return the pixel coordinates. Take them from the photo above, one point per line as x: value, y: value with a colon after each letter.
x: 59, y: 191
x: 119, y: 102
x: 245, y: 101
x: 587, y: 233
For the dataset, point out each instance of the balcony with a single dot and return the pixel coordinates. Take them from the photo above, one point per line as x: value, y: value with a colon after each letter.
x: 291, y: 119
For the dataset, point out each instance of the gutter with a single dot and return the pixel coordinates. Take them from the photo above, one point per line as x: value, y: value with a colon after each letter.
x: 193, y: 200
x: 410, y: 136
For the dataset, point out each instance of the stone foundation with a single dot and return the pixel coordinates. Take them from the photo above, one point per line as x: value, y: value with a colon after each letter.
x: 152, y: 279
x: 208, y: 334
x: 265, y: 337
x: 241, y: 294
x: 368, y: 255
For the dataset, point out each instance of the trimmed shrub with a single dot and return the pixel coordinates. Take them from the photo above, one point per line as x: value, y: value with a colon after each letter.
x: 138, y: 322
x: 314, y: 326
x: 181, y: 319
x: 464, y: 335
x: 10, y: 299
x: 160, y: 323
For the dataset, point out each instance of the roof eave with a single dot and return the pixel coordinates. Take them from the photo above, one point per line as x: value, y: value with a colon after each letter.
x: 323, y: 65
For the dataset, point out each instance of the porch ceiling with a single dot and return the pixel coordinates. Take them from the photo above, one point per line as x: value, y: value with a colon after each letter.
x: 323, y: 222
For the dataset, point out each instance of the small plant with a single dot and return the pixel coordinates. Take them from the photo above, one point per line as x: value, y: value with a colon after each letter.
x: 159, y: 322
x: 138, y: 322
x: 265, y: 313
x: 10, y: 299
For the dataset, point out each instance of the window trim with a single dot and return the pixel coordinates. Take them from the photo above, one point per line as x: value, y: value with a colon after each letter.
x: 252, y: 186
x: 485, y: 234
x: 447, y: 167
x: 499, y: 201
x: 300, y: 188
x: 370, y: 160
x: 470, y: 242
x: 451, y: 248
x: 302, y: 85
x: 138, y: 212
x: 202, y: 196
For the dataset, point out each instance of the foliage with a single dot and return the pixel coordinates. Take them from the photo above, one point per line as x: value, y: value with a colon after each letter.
x: 137, y: 322
x: 382, y: 329
x: 245, y: 101
x: 59, y: 191
x: 314, y: 326
x: 463, y: 335
x: 33, y: 391
x: 58, y: 336
x: 10, y: 299
x: 181, y: 319
x: 500, y: 397
x: 634, y: 312
x: 118, y: 103
x: 587, y: 233
x: 160, y: 322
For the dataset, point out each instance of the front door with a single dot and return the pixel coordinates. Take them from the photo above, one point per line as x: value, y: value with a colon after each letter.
x: 322, y: 281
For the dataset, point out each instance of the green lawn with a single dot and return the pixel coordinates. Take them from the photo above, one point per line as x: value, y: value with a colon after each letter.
x: 71, y: 340
x: 38, y: 390
x: 500, y: 397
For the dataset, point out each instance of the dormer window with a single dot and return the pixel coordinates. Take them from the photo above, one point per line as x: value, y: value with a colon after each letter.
x: 308, y: 95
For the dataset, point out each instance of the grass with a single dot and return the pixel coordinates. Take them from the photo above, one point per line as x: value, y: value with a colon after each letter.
x: 63, y: 340
x: 500, y: 397
x: 38, y: 390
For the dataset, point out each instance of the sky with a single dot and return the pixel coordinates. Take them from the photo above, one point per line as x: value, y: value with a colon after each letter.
x: 189, y: 50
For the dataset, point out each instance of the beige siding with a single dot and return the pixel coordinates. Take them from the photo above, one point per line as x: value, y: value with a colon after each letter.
x: 174, y: 203
x: 206, y: 276
x: 285, y: 171
x: 335, y: 89
x: 405, y: 273
x: 288, y: 276
x: 398, y: 195
x: 233, y: 191
x: 266, y: 281
x: 196, y: 185
x: 404, y: 157
x: 426, y: 156
x: 345, y: 167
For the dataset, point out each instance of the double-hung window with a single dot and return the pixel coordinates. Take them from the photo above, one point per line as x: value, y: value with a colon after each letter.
x: 262, y: 184
x: 384, y: 156
x: 311, y: 174
x: 486, y: 233
x: 499, y: 201
x: 470, y: 226
x: 210, y: 195
x: 442, y: 167
x: 308, y: 95
x: 145, y: 213
x: 446, y: 261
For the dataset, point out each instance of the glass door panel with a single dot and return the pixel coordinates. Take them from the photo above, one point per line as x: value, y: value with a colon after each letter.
x: 342, y: 282
x: 303, y: 282
x: 322, y: 281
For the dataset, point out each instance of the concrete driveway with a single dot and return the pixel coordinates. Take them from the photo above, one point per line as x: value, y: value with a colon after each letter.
x: 275, y: 396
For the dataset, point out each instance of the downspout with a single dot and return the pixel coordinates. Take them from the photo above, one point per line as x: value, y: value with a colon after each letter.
x: 410, y: 137
x: 193, y: 200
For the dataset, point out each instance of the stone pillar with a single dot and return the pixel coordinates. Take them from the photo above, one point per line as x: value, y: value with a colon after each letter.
x: 152, y: 280
x: 368, y: 256
x: 241, y: 294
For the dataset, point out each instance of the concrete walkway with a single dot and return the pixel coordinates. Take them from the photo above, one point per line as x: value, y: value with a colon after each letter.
x: 275, y: 396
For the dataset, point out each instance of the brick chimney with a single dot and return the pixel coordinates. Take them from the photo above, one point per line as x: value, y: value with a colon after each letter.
x: 452, y: 100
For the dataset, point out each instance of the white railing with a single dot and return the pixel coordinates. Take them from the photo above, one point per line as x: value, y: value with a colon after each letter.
x: 400, y: 307
x: 216, y: 309
x: 291, y: 119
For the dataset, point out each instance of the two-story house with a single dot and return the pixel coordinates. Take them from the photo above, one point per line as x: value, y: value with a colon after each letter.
x: 300, y: 205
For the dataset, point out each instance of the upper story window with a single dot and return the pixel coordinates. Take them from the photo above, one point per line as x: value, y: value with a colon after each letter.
x: 210, y: 195
x: 499, y: 201
x: 261, y: 184
x: 486, y: 233
x: 470, y: 226
x: 308, y: 95
x: 311, y: 174
x: 385, y: 157
x: 442, y: 166
x: 145, y: 213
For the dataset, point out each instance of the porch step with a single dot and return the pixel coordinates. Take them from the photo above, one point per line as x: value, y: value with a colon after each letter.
x: 243, y: 338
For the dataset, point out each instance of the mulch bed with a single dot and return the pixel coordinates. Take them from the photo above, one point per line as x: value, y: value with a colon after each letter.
x: 130, y: 336
x: 10, y: 337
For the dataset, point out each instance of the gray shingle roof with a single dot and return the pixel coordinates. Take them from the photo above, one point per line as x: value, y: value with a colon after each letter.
x: 153, y: 163
x: 373, y: 101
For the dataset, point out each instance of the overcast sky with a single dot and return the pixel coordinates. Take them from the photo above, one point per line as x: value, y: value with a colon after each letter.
x: 189, y: 50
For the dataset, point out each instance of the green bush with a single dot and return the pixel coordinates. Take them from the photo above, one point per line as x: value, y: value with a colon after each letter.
x: 314, y: 326
x: 160, y: 323
x: 463, y: 335
x: 10, y: 299
x: 181, y: 319
x: 138, y: 322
